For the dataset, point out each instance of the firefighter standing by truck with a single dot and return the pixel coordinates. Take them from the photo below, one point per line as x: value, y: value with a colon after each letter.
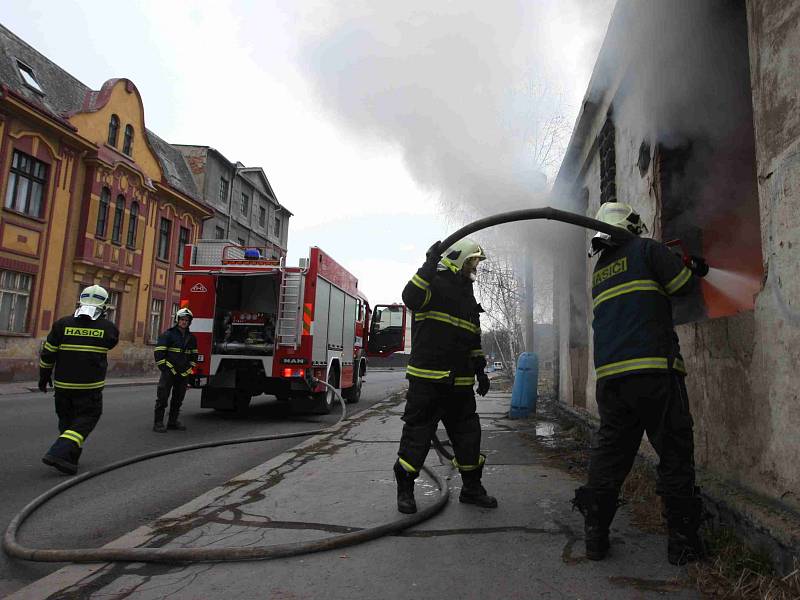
x: 73, y: 360
x: 640, y: 384
x: 445, y: 357
x: 176, y: 356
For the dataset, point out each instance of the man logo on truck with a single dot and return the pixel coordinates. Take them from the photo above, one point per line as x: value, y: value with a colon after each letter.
x: 199, y: 288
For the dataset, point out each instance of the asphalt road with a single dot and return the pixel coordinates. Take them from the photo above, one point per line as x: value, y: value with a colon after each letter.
x: 102, y: 509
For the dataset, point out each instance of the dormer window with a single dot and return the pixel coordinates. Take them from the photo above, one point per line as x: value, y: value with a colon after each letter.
x: 113, y: 131
x: 29, y: 77
x: 127, y: 143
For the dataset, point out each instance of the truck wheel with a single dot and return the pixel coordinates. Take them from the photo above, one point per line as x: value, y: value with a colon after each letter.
x: 353, y: 394
x: 324, y: 400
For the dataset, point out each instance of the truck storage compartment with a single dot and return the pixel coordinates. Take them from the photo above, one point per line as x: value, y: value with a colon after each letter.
x: 246, y: 314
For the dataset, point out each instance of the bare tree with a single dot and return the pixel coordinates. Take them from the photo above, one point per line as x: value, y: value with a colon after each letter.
x: 500, y: 293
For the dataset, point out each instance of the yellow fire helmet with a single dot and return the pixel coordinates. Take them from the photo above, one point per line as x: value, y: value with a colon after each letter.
x: 456, y: 255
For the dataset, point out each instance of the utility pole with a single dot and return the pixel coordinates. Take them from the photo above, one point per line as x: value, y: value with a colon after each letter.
x: 527, y: 319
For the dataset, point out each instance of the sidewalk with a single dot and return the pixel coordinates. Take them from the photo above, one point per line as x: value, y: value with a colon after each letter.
x: 530, y: 547
x: 23, y: 387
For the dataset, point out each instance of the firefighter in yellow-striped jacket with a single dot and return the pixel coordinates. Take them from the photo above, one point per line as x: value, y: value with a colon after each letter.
x: 640, y: 383
x: 176, y: 356
x: 73, y: 360
x: 445, y: 358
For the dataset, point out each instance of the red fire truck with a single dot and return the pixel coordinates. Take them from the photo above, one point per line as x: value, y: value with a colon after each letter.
x: 265, y: 328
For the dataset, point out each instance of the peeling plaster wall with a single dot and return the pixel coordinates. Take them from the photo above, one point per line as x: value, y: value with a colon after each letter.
x: 743, y: 382
x: 774, y: 38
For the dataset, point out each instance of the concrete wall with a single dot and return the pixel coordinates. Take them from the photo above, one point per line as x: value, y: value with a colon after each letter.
x: 743, y: 379
x: 774, y: 34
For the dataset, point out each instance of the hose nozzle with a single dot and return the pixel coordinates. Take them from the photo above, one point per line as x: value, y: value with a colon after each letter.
x: 697, y: 265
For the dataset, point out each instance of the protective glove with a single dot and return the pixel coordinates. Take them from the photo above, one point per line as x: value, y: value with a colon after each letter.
x: 433, y: 254
x: 44, y: 381
x: 483, y: 384
x: 697, y: 265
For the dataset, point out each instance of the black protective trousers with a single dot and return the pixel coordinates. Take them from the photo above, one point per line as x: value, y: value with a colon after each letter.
x: 426, y: 405
x: 169, y: 384
x: 628, y: 407
x: 78, y: 411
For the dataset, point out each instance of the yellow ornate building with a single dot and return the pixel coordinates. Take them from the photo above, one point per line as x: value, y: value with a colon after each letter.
x: 89, y: 196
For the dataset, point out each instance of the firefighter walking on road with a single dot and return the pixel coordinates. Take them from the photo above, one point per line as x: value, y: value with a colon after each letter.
x: 640, y: 384
x: 73, y: 360
x: 176, y: 357
x: 445, y: 358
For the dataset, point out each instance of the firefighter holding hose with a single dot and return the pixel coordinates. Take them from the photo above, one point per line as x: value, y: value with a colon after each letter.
x: 640, y: 383
x: 446, y: 357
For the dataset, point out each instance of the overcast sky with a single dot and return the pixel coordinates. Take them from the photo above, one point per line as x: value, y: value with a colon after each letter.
x: 368, y: 116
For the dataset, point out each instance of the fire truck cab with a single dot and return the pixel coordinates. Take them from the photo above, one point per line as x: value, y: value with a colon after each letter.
x: 265, y: 328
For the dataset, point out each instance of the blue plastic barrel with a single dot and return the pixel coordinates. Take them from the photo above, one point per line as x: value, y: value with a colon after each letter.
x: 526, y: 386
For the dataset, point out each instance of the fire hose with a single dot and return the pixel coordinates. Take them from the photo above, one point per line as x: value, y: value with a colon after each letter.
x: 183, y: 555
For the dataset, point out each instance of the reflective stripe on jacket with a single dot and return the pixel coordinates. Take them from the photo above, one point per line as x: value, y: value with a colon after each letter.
x: 175, y: 351
x: 633, y: 328
x: 75, y: 352
x: 446, y: 330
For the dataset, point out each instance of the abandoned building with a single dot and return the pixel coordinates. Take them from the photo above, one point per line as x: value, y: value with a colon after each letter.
x: 692, y: 115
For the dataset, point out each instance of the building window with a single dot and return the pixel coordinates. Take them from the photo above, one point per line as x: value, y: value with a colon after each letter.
x: 183, y: 239
x: 27, y: 181
x: 132, y: 225
x: 175, y: 308
x: 119, y: 216
x: 262, y: 216
x: 15, y: 289
x: 219, y: 233
x: 102, y: 213
x: 276, y: 227
x: 223, y: 190
x: 113, y: 130
x: 112, y: 307
x: 28, y: 76
x: 608, y: 162
x: 156, y: 308
x: 164, y: 230
x: 245, y: 203
x: 127, y: 143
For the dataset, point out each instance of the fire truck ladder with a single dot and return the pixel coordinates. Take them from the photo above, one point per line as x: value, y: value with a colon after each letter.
x: 289, y: 308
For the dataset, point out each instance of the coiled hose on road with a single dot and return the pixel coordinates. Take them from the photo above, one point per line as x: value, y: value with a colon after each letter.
x: 184, y: 555
x: 172, y: 555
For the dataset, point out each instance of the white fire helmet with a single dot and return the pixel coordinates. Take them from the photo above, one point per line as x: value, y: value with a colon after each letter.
x: 184, y: 312
x: 456, y: 255
x: 617, y: 214
x: 92, y: 302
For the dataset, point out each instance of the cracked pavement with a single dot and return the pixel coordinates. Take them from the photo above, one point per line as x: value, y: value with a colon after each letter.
x: 531, y: 546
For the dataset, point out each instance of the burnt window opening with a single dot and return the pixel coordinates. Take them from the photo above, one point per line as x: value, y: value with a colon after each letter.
x: 608, y: 162
x: 644, y: 158
x: 679, y: 196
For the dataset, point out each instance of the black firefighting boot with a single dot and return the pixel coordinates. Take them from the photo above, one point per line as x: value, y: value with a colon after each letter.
x: 63, y: 455
x: 684, y: 515
x: 158, y: 421
x: 598, y: 508
x: 173, y: 423
x: 472, y: 492
x: 405, y: 489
